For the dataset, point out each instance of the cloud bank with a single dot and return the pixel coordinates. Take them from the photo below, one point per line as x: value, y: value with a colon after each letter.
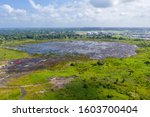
x: 77, y: 13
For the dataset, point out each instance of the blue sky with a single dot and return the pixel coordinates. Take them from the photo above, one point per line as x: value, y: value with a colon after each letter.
x: 26, y: 5
x: 16, y: 3
x: 74, y: 13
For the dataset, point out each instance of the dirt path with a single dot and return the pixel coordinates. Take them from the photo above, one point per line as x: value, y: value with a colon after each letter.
x: 56, y: 82
x: 3, y: 76
x: 23, y: 93
x: 22, y: 90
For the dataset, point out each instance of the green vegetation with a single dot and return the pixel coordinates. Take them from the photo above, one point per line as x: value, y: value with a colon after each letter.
x: 106, y: 79
x: 9, y: 93
x: 110, y: 78
x: 7, y: 54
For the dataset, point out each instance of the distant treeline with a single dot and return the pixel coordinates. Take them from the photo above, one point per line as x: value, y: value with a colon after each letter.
x: 29, y: 34
x: 37, y: 34
x: 65, y: 33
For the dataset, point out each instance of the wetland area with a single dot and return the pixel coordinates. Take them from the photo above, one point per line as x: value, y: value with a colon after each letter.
x: 93, y: 68
x: 94, y: 50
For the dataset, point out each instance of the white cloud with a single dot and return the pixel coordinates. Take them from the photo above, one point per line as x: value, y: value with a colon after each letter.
x: 108, y: 3
x: 40, y: 8
x: 36, y: 6
x: 101, y: 3
x: 83, y: 13
x: 9, y: 10
x: 11, y: 17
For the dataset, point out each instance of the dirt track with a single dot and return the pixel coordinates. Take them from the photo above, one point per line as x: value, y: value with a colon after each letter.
x: 23, y: 92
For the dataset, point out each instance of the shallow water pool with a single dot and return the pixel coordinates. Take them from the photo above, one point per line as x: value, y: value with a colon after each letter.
x: 94, y: 50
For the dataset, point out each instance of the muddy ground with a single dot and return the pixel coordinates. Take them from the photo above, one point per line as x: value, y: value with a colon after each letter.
x: 20, y: 67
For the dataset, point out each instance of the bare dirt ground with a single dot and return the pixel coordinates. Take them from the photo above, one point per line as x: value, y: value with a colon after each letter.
x: 61, y: 82
x: 4, y: 76
x: 20, y: 67
x: 30, y: 64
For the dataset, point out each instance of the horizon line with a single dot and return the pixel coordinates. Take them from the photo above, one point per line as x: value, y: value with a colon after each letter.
x: 71, y: 27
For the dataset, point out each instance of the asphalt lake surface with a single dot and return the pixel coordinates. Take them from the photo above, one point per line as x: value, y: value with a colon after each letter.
x: 94, y: 50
